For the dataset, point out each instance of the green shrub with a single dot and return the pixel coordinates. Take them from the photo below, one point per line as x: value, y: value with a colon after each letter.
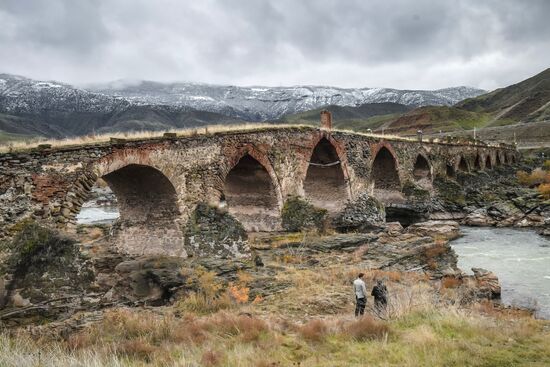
x: 450, y: 192
x: 298, y: 215
x: 414, y: 191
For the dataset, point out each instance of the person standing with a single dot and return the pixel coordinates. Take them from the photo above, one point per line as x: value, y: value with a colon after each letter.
x: 380, y: 293
x: 360, y: 290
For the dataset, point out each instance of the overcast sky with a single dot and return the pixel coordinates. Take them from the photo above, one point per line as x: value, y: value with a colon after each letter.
x: 350, y: 43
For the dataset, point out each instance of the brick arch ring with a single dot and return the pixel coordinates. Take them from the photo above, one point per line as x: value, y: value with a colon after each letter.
x: 261, y: 157
x: 375, y: 148
x: 340, y: 152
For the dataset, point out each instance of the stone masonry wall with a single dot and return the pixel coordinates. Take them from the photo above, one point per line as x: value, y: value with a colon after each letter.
x: 51, y: 185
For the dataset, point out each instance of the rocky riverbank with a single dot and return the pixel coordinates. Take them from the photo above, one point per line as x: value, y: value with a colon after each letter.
x: 48, y: 276
x: 491, y: 198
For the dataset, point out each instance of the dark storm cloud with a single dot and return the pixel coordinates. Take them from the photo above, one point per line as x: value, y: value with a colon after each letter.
x: 404, y: 44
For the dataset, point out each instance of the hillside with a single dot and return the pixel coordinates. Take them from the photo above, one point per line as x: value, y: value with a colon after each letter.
x: 520, y: 111
x: 433, y: 119
x: 527, y: 101
x: 31, y: 108
x: 61, y: 124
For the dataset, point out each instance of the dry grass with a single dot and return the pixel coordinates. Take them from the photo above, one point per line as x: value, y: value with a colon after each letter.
x: 310, y: 323
x: 537, y: 177
x: 138, y: 135
x: 436, y: 250
x: 367, y: 328
x: 211, y: 358
x: 450, y: 282
x: 418, y: 333
x: 314, y: 330
x: 544, y: 190
x: 92, y: 139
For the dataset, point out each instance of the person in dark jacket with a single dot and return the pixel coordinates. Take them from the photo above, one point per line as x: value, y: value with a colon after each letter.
x: 380, y: 294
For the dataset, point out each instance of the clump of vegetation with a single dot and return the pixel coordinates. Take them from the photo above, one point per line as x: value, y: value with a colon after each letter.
x: 314, y: 330
x: 450, y: 192
x: 298, y: 215
x: 213, y: 295
x: 367, y: 328
x: 533, y: 179
x: 43, y: 261
x: 210, y: 296
x: 539, y: 178
x: 544, y: 190
x: 414, y: 191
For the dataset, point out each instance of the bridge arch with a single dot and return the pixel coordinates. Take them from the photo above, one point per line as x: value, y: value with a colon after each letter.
x: 450, y: 171
x: 422, y: 169
x: 385, y: 175
x: 488, y: 162
x: 477, y: 162
x: 251, y: 191
x: 326, y: 183
x: 146, y: 198
x: 463, y: 164
x: 498, y: 159
x: 144, y: 195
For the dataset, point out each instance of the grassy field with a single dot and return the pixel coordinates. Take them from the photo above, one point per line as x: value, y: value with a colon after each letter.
x: 6, y: 138
x: 310, y: 324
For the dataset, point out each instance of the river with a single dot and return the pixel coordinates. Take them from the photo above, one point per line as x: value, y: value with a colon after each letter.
x: 520, y: 259
x: 97, y: 215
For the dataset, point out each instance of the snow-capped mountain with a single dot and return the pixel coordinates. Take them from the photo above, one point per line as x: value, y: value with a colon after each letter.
x: 268, y: 103
x: 54, y: 109
x: 22, y: 95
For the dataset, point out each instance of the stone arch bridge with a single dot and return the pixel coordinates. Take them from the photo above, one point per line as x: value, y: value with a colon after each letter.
x: 159, y: 182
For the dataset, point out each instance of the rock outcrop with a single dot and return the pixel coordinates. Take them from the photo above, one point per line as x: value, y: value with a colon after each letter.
x: 364, y: 214
x: 448, y: 230
x: 216, y: 233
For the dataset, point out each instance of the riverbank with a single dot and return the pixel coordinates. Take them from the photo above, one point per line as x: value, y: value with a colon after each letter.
x: 291, y: 303
x: 519, y: 258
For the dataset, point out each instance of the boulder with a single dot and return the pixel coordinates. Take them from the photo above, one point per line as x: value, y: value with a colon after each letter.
x: 408, y: 212
x: 479, y: 218
x: 215, y: 233
x: 487, y: 284
x: 448, y: 229
x: 43, y: 265
x: 364, y: 214
x: 393, y: 228
x: 149, y: 278
x: 342, y: 242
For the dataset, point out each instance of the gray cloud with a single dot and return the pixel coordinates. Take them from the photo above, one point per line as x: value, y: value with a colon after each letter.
x: 402, y: 44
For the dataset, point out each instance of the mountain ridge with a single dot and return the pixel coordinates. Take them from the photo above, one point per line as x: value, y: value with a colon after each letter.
x: 55, y: 109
